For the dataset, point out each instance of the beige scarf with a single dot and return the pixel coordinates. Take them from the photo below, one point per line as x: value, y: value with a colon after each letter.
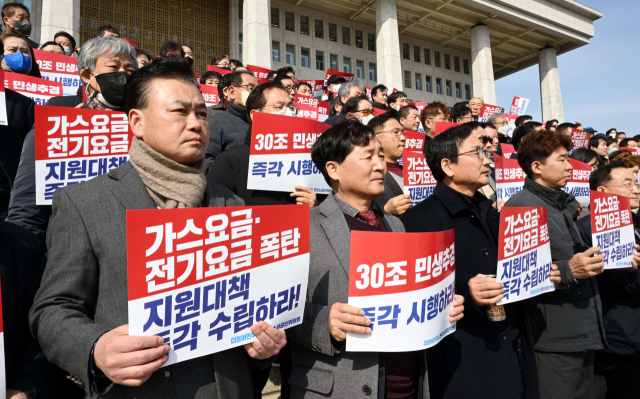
x: 170, y: 184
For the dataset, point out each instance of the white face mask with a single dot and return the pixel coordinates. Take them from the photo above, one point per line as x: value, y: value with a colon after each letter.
x: 503, y: 130
x: 287, y: 111
x: 365, y: 119
x: 67, y: 50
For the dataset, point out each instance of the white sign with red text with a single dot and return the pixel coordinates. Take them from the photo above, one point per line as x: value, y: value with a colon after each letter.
x: 419, y: 182
x: 39, y: 90
x: 406, y: 289
x: 509, y: 177
x: 280, y: 154
x: 524, y: 253
x: 578, y: 185
x: 74, y: 145
x: 519, y: 106
x: 59, y: 68
x: 580, y: 138
x: 201, y: 277
x: 414, y: 141
x: 612, y: 229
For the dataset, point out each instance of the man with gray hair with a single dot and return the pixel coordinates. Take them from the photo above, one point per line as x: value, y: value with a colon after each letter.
x: 347, y: 90
x: 500, y: 121
x: 104, y: 65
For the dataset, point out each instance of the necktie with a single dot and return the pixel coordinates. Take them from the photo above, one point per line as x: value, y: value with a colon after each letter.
x: 369, y: 217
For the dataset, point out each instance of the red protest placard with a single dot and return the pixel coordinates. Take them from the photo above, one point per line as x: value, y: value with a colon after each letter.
x: 259, y: 72
x: 59, y: 68
x: 280, y: 154
x: 420, y: 105
x: 509, y: 177
x: 419, y: 182
x: 368, y: 92
x: 405, y: 287
x: 442, y: 126
x: 578, y: 184
x: 634, y: 150
x: 507, y: 150
x: 200, y: 277
x: 39, y: 90
x: 414, y: 140
x: 317, y: 87
x: 347, y: 76
x: 219, y: 70
x: 311, y: 108
x: 75, y: 144
x: 524, y: 253
x: 580, y: 138
x: 612, y: 229
x: 307, y: 111
x: 210, y: 94
x: 379, y: 111
x: 488, y: 110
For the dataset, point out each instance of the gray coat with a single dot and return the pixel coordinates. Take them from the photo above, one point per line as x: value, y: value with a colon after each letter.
x: 391, y: 190
x: 568, y: 319
x: 321, y: 367
x: 84, y: 291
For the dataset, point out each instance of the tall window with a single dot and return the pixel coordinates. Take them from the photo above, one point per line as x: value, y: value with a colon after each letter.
x: 304, y: 25
x: 456, y: 64
x: 427, y: 56
x: 290, y: 54
x: 333, y: 32
x: 304, y: 57
x: 320, y: 60
x: 436, y: 55
x: 372, y: 72
x: 467, y: 92
x: 241, y: 8
x: 458, y: 91
x: 319, y: 29
x: 371, y: 42
x: 275, y: 17
x: 359, y: 39
x: 289, y: 21
x: 416, y: 53
x: 447, y: 62
x: 346, y: 64
x: 438, y: 86
x: 427, y: 84
x: 449, y: 88
x: 407, y: 79
x: 275, y: 51
x: 465, y: 65
x: 360, y: 69
x: 333, y: 62
x: 240, y: 43
x: 406, y: 54
x: 418, y: 81
x: 346, y: 35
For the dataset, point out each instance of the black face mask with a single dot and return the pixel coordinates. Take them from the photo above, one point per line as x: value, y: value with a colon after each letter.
x: 23, y: 26
x: 112, y: 87
x: 225, y: 68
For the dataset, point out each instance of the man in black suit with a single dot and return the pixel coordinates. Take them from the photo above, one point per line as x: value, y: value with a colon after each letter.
x: 67, y: 101
x: 20, y: 118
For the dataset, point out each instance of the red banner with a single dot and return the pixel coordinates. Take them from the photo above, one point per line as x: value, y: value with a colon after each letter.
x: 347, y: 76
x: 259, y: 72
x: 414, y: 140
x: 488, y: 110
x: 507, y: 150
x: 219, y: 70
x: 420, y: 105
x: 39, y: 90
x: 442, y: 126
x: 210, y: 94
x: 634, y: 151
x: 521, y: 230
x: 59, y: 68
x: 580, y: 138
x: 279, y: 134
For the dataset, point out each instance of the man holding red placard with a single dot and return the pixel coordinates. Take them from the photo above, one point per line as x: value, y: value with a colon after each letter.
x: 352, y: 163
x: 496, y: 355
x: 83, y: 296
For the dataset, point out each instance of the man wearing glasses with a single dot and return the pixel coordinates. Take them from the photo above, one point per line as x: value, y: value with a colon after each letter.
x: 499, y: 355
x: 390, y: 134
x: 432, y: 113
x: 620, y: 363
x: 228, y: 129
x: 288, y: 83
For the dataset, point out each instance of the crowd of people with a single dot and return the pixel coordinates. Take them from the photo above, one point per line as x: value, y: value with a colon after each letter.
x: 63, y: 267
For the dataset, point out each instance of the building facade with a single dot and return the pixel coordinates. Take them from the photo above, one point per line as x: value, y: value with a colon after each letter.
x: 445, y: 50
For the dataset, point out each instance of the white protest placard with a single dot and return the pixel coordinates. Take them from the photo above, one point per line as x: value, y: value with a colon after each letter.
x: 74, y: 145
x: 3, y: 102
x: 509, y: 177
x: 578, y: 184
x: 59, y: 68
x: 280, y: 154
x: 201, y: 277
x: 419, y: 182
x: 519, y: 106
x: 405, y: 287
x: 612, y: 229
x: 524, y: 253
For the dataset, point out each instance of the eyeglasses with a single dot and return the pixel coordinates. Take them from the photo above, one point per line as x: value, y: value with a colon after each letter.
x: 397, y: 132
x: 223, y: 65
x: 629, y: 186
x: 441, y: 120
x: 480, y: 153
x: 485, y: 139
x: 248, y: 87
x: 367, y: 112
x: 289, y: 88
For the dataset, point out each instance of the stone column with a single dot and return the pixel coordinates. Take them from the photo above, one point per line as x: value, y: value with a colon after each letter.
x: 256, y: 33
x: 482, y: 65
x: 389, y: 64
x: 60, y: 15
x: 550, y: 85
